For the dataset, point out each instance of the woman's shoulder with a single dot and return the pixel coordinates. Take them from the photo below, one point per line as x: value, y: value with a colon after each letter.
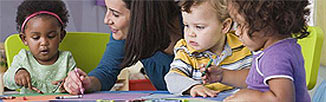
x: 158, y: 58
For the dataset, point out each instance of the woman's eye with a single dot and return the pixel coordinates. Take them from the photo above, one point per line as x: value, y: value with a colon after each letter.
x: 200, y: 27
x: 115, y: 15
x: 186, y: 26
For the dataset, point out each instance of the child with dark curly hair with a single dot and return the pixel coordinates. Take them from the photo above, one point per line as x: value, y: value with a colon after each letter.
x: 271, y: 28
x: 41, y: 68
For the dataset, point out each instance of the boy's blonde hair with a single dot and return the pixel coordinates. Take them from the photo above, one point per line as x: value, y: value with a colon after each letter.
x: 220, y: 7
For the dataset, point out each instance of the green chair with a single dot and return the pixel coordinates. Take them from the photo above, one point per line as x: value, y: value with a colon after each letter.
x: 311, y: 50
x: 87, y: 48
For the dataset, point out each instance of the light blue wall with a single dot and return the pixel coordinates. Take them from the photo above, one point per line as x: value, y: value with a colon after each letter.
x: 85, y: 16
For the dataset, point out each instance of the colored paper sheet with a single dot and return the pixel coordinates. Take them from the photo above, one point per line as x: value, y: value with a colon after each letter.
x: 33, y: 98
x: 106, y: 96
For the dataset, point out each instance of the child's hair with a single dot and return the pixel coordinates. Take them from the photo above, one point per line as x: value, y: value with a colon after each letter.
x: 220, y: 7
x: 28, y: 7
x: 151, y: 24
x: 286, y: 17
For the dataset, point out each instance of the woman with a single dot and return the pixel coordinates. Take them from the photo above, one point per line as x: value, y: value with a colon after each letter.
x: 144, y: 30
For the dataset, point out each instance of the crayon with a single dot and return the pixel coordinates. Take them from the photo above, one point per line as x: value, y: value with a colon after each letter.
x: 81, y: 89
x: 57, y: 87
x: 69, y: 97
x: 208, y: 64
x: 37, y: 90
x: 24, y: 98
x: 7, y: 97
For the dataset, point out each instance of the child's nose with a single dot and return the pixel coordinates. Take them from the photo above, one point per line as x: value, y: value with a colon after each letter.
x: 191, y: 33
x: 44, y: 42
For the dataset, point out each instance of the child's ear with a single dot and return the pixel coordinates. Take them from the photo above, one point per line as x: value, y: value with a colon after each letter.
x: 23, y: 38
x: 62, y: 35
x: 227, y: 24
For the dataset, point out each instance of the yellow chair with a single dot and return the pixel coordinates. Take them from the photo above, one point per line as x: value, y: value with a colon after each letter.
x: 311, y: 50
x: 87, y: 48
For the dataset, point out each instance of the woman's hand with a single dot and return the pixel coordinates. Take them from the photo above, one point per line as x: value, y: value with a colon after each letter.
x: 213, y: 74
x: 201, y: 90
x: 76, y: 81
x: 23, y: 78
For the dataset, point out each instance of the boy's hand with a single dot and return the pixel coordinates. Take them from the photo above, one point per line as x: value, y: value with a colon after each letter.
x: 22, y: 78
x: 201, y: 90
x: 213, y: 74
x: 73, y: 83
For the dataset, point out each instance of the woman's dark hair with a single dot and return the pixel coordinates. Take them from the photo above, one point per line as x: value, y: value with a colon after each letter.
x: 128, y: 3
x: 151, y: 24
x: 28, y: 7
x: 287, y: 17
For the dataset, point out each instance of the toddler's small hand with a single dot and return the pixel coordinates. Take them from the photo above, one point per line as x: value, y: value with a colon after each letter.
x: 201, y: 90
x: 23, y: 78
x: 214, y: 74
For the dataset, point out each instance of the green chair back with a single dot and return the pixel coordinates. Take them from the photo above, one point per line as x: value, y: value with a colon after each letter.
x: 311, y: 50
x: 87, y: 48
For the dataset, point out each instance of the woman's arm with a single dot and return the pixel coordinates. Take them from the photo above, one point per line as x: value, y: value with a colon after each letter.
x: 95, y: 84
x: 104, y: 76
x: 281, y: 90
x: 109, y: 67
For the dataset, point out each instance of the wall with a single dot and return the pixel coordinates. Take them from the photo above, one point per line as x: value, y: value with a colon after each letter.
x: 321, y: 22
x: 85, y: 16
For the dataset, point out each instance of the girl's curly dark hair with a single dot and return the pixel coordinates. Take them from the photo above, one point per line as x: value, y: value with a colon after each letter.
x: 28, y: 7
x: 288, y: 17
